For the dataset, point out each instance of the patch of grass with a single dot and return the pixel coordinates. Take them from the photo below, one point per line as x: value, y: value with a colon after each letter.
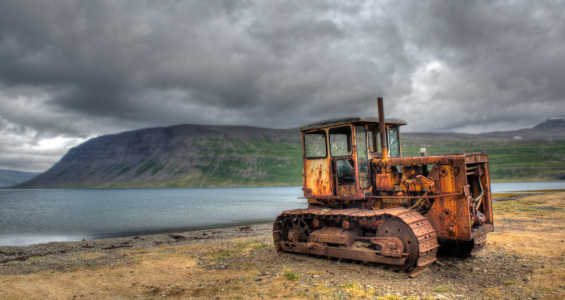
x: 391, y: 297
x: 291, y: 276
x: 92, y: 255
x: 494, y: 293
x: 314, y: 272
x: 443, y: 289
x: 31, y: 259
x: 223, y: 254
x: 351, y: 284
x: 259, y: 246
x: 355, y: 290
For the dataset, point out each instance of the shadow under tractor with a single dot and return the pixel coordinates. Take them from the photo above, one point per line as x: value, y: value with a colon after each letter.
x: 368, y: 203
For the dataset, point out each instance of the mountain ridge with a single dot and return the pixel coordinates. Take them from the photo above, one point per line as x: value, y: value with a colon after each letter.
x: 13, y: 177
x: 191, y: 155
x: 156, y: 157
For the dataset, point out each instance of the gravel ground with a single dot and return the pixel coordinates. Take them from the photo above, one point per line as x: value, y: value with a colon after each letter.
x: 467, y: 277
x: 57, y: 255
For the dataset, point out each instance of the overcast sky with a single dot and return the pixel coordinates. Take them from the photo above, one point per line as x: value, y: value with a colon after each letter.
x: 73, y: 70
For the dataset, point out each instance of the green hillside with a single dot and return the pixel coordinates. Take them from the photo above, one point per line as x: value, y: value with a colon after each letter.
x: 236, y: 162
x: 255, y: 162
x: 510, y: 160
x: 180, y: 156
x: 232, y: 156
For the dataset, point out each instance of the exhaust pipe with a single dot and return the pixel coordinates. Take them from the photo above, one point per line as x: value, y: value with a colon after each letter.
x: 382, y: 128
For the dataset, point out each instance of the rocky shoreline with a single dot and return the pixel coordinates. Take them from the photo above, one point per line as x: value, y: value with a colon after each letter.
x: 59, y: 253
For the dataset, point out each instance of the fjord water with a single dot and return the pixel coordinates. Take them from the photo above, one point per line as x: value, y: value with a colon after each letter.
x: 38, y: 216
x: 527, y: 186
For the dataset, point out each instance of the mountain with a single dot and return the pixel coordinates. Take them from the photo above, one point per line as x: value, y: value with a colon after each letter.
x: 552, y: 128
x: 180, y: 156
x: 12, y: 177
x: 224, y: 156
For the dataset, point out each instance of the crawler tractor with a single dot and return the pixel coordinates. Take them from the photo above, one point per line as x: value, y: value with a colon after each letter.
x: 368, y: 203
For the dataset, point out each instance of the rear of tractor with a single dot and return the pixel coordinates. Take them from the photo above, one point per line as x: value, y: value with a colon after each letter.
x: 368, y: 203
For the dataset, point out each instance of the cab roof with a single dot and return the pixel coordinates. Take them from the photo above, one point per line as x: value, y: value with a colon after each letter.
x: 343, y: 121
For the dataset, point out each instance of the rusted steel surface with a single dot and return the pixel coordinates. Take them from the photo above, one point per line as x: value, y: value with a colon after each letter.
x: 385, y: 181
x: 418, y: 160
x: 317, y: 180
x: 382, y: 128
x: 415, y: 197
x: 346, y: 190
x: 368, y: 203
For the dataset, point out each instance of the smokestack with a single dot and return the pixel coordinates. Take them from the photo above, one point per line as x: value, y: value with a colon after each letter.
x: 382, y: 128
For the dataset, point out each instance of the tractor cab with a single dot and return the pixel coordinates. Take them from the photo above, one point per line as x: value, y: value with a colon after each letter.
x: 337, y: 155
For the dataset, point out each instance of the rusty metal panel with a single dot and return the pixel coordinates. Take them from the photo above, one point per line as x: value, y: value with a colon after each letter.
x: 317, y: 177
x: 333, y: 235
x: 418, y: 160
x: 450, y: 215
x: 385, y: 181
x: 346, y: 190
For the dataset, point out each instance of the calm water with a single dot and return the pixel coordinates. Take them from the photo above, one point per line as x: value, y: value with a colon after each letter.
x: 526, y: 186
x: 37, y: 216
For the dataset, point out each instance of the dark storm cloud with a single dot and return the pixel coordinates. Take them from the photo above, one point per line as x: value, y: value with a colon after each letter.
x: 247, y: 57
x: 503, y: 58
x: 75, y: 69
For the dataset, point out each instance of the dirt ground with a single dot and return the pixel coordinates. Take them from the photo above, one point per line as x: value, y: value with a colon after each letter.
x: 524, y: 259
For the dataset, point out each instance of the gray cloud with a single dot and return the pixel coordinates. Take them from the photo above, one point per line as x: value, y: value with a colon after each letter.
x: 76, y: 69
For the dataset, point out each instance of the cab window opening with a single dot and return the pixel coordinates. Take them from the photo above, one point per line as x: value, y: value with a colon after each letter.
x: 374, y: 139
x: 340, y: 141
x: 345, y: 172
x: 315, y: 144
x: 394, y: 142
x: 362, y: 156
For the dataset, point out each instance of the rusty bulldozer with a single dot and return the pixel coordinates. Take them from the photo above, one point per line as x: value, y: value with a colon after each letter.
x: 368, y: 203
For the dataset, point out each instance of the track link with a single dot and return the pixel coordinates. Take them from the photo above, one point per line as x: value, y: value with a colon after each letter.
x: 420, y: 226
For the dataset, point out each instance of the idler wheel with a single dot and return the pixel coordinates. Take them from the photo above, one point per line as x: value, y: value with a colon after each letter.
x: 399, y: 229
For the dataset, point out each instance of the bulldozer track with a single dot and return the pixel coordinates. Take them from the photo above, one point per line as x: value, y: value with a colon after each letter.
x: 420, y: 226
